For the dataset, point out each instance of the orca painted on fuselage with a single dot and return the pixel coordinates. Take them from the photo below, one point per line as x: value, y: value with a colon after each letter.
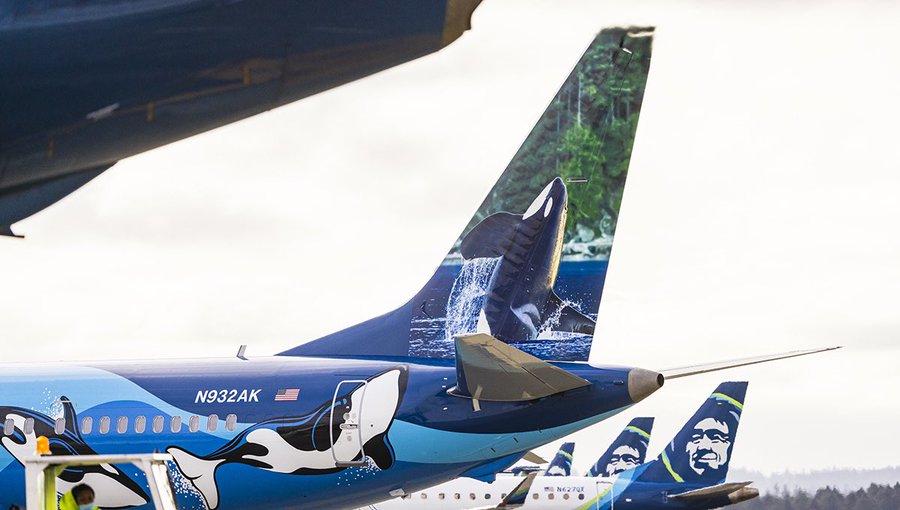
x: 87, y: 83
x: 310, y: 444
x: 22, y: 427
x: 520, y: 298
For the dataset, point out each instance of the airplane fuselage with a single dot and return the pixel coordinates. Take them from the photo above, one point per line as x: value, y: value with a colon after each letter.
x: 611, y: 493
x: 244, y: 423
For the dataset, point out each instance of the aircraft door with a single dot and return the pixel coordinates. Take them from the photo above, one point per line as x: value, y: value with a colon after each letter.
x: 345, y: 419
x: 604, y: 495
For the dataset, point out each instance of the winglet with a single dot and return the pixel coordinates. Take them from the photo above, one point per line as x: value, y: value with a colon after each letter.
x: 488, y: 369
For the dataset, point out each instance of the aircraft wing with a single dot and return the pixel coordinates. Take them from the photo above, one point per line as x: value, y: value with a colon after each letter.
x: 735, y: 491
x: 674, y: 373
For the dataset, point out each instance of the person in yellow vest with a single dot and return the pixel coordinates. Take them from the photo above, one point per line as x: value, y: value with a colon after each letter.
x: 81, y: 497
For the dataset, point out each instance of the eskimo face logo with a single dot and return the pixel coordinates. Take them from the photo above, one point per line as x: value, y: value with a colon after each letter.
x: 708, y: 446
x: 623, y: 458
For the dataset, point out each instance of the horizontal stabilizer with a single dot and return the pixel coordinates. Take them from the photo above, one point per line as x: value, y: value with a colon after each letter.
x: 534, y: 458
x: 723, y: 489
x: 674, y: 373
x: 488, y: 369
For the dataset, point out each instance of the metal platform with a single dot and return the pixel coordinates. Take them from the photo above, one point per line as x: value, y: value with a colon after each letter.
x: 41, y: 472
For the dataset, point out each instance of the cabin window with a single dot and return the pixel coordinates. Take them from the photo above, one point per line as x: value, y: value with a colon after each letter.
x: 581, y: 496
x: 471, y: 495
x: 212, y: 423
x: 566, y: 496
x: 441, y: 495
x: 551, y: 496
x: 29, y: 426
x: 456, y: 496
x: 104, y: 424
x: 194, y: 423
x: 9, y: 426
x: 59, y: 426
x: 140, y: 424
x: 487, y: 495
x: 535, y: 495
x: 158, y: 423
x: 424, y: 496
x: 122, y: 424
x: 87, y: 423
x: 231, y: 422
x: 175, y: 426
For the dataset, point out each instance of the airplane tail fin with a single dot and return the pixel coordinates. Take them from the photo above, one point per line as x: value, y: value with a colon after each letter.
x: 516, y: 497
x: 627, y: 451
x: 561, y: 465
x: 529, y: 267
x: 701, y: 451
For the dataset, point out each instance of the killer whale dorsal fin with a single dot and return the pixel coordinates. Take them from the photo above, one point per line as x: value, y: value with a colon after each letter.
x: 570, y: 319
x: 491, y: 237
x: 69, y: 416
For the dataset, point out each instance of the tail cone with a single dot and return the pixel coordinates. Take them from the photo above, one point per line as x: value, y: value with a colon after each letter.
x: 642, y: 383
x: 743, y: 494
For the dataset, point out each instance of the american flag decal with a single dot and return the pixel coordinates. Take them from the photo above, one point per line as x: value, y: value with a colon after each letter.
x: 287, y: 394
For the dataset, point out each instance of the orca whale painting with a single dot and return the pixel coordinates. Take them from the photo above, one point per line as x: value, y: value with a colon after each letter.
x: 530, y: 266
x: 113, y: 488
x: 302, y: 445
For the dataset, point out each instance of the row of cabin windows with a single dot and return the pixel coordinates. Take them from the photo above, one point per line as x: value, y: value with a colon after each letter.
x: 140, y: 424
x: 487, y: 495
x: 537, y: 495
x: 472, y: 495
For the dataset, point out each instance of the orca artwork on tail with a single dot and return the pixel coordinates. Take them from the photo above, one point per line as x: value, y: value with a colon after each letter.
x: 528, y: 268
x: 519, y: 298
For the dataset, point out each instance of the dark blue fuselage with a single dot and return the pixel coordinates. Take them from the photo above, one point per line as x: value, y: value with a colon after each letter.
x: 432, y: 436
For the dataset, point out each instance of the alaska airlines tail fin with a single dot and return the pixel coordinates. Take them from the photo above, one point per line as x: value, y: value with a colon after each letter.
x: 627, y: 451
x: 516, y: 497
x: 561, y: 465
x: 701, y: 451
x: 529, y: 267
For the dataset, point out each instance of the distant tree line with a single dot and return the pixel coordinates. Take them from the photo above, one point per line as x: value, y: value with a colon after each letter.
x: 876, y: 497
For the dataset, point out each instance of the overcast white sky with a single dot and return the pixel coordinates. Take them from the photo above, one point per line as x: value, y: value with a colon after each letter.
x: 760, y: 216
